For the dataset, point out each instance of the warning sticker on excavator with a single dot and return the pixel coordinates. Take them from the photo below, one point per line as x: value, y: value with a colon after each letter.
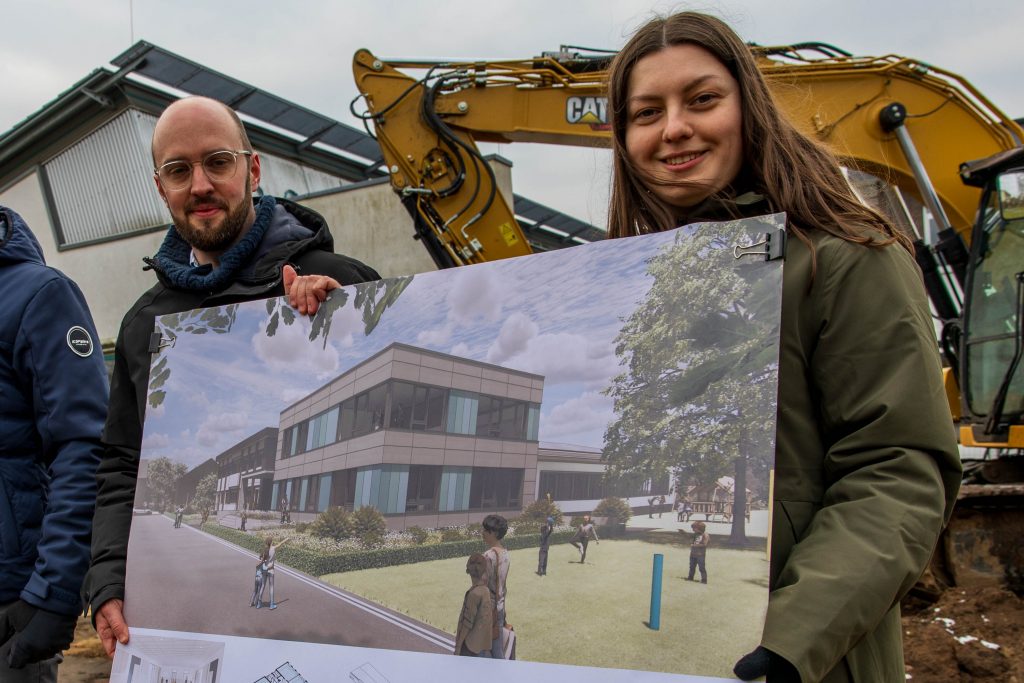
x: 509, y: 233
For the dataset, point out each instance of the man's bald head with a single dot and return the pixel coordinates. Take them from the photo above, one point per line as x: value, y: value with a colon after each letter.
x: 189, y: 107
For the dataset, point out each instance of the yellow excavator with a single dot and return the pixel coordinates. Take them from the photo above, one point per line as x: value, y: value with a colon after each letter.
x: 920, y: 144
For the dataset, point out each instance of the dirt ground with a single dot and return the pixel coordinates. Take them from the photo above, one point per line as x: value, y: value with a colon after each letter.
x: 967, y: 636
x: 85, y: 662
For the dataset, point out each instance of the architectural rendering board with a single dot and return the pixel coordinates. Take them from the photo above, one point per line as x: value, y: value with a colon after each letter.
x: 311, y: 488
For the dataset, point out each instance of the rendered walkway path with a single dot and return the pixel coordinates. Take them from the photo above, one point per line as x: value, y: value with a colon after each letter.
x: 186, y: 580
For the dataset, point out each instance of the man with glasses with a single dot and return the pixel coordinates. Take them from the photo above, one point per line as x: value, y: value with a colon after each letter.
x: 223, y: 248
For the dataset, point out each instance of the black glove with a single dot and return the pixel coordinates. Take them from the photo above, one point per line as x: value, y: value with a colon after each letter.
x: 762, y: 662
x: 35, y: 634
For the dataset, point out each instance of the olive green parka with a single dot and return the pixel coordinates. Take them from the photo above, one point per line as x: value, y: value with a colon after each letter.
x: 867, y: 466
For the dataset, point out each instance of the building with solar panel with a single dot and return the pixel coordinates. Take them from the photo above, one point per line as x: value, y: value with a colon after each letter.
x: 79, y: 171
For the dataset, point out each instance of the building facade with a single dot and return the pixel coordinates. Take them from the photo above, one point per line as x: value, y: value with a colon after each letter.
x: 245, y: 472
x: 427, y: 438
x: 574, y: 478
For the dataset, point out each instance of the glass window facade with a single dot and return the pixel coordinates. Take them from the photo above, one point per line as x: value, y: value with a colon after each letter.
x: 415, y: 407
x: 495, y: 487
x: 462, y: 412
x: 572, y: 485
x: 322, y: 429
x: 454, y: 494
x: 401, y: 489
x: 323, y: 497
x: 383, y: 487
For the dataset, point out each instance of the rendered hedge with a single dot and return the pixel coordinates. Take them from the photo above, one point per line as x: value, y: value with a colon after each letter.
x: 318, y: 564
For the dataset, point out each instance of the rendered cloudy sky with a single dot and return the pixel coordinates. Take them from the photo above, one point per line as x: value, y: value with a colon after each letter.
x: 224, y: 387
x: 303, y: 50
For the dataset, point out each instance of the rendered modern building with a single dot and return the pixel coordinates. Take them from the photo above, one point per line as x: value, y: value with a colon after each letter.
x: 245, y: 472
x: 427, y: 438
x: 432, y: 440
x: 185, y: 492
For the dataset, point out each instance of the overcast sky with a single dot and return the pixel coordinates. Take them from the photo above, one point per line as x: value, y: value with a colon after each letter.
x: 302, y: 50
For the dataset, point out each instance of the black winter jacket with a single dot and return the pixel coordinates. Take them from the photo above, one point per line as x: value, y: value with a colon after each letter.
x: 122, y: 436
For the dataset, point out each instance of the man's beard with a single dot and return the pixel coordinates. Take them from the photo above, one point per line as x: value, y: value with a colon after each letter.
x: 212, y: 238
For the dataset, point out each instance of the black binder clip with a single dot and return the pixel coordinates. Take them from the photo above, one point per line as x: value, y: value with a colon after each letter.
x: 771, y: 246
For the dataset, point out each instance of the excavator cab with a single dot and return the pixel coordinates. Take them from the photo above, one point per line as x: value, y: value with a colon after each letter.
x: 991, y: 371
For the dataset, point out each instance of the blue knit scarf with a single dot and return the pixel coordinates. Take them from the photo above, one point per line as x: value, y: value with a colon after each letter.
x: 173, y: 256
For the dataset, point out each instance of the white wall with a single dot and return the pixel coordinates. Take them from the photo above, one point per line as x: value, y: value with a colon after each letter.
x: 110, y: 274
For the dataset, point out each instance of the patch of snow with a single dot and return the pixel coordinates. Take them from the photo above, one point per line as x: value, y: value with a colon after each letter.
x: 991, y: 646
x: 963, y: 640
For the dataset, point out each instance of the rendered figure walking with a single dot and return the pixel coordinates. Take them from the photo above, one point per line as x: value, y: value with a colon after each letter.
x: 699, y: 551
x: 582, y: 537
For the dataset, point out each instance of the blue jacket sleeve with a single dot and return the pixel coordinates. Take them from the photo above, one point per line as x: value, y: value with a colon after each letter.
x: 59, y: 355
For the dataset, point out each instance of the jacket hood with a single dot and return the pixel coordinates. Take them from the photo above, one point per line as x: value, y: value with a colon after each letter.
x: 17, y: 243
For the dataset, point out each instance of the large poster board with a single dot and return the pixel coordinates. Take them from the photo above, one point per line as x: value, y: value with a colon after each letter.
x: 630, y: 378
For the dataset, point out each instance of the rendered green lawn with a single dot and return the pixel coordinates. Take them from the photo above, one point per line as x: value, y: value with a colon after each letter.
x: 605, y: 603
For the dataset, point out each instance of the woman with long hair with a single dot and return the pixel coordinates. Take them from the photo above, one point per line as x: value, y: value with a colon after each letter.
x: 866, y: 465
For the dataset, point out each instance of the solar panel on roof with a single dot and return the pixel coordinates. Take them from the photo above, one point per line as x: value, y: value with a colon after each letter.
x: 551, y: 218
x: 170, y: 69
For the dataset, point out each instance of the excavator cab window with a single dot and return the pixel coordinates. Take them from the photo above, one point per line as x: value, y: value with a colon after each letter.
x: 995, y: 296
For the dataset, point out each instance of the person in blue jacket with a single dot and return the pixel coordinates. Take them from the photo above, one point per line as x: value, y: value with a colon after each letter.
x: 53, y: 402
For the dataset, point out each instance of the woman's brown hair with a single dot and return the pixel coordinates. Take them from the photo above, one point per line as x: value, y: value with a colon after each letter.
x: 794, y: 173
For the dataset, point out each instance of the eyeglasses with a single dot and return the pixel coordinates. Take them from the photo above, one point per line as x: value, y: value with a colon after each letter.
x: 218, y: 167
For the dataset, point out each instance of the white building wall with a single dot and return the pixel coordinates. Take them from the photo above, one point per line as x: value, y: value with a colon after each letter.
x: 110, y: 274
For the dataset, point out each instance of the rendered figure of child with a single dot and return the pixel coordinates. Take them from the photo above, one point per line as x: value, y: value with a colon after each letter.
x: 473, y: 636
x: 257, y: 591
x: 698, y: 551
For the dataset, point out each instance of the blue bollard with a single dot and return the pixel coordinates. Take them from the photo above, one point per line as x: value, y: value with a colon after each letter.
x: 655, y: 621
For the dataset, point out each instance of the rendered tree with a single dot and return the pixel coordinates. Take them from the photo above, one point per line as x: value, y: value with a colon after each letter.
x: 163, y: 476
x: 372, y: 298
x: 700, y: 358
x: 205, y: 495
